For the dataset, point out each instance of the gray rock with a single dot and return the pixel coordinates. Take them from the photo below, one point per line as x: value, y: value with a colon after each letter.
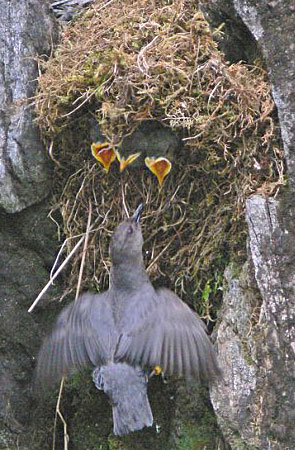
x: 232, y: 397
x: 272, y: 240
x: 26, y: 237
x: 23, y: 272
x: 235, y: 41
x: 258, y: 409
x: 255, y: 402
x: 25, y: 31
x: 272, y: 24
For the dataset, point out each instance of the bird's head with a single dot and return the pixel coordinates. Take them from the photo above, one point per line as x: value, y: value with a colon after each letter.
x: 126, y: 242
x: 125, y: 161
x: 104, y: 153
x: 159, y: 166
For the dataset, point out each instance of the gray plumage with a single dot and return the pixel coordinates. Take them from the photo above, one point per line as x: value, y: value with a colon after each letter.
x: 126, y: 387
x: 129, y: 328
x: 151, y: 139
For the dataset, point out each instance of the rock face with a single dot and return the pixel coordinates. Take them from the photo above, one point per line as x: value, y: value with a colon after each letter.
x: 255, y: 403
x: 272, y: 25
x: 26, y: 30
x: 232, y: 398
x: 26, y: 237
x: 272, y: 239
x: 236, y: 41
x: 26, y: 254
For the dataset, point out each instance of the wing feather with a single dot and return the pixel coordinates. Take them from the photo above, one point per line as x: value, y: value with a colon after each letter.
x: 170, y: 335
x: 78, y: 339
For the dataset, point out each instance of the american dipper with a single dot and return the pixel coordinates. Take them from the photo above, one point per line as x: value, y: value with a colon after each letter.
x: 125, y: 331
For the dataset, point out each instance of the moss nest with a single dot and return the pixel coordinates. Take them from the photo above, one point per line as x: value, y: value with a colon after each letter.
x: 136, y: 61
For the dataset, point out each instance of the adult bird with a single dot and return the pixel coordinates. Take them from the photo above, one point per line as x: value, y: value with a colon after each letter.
x: 124, y: 332
x: 151, y: 145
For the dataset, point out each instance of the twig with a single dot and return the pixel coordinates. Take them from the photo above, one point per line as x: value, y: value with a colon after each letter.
x: 58, y: 256
x: 105, y: 5
x: 56, y: 273
x: 80, y: 105
x: 84, y: 250
x: 50, y: 152
x: 58, y: 413
x: 213, y: 92
x: 124, y: 203
x: 62, y: 266
x: 167, y: 203
x: 141, y: 62
x: 160, y: 254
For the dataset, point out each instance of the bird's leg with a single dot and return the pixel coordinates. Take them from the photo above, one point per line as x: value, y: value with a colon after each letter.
x: 157, y: 370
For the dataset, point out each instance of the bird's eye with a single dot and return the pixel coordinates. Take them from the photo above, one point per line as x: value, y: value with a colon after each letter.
x: 130, y: 230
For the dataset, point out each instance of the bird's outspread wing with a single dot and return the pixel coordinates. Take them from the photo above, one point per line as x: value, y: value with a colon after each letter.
x: 171, y: 335
x: 81, y: 336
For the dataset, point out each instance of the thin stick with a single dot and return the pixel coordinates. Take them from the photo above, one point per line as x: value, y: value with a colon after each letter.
x: 56, y: 273
x: 160, y: 254
x: 80, y: 105
x: 57, y: 258
x: 58, y: 413
x: 105, y: 5
x: 124, y: 203
x: 141, y: 61
x: 57, y: 410
x: 84, y: 251
x: 50, y: 152
x: 61, y: 267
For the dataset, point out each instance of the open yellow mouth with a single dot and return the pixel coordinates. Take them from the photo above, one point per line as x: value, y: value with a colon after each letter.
x: 124, y: 162
x: 159, y: 166
x: 104, y: 153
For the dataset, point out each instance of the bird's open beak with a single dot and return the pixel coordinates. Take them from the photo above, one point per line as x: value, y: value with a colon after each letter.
x: 124, y: 162
x: 159, y: 166
x: 104, y: 153
x: 136, y: 216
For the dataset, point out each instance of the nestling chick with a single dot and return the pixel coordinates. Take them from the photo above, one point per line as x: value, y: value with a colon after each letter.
x: 151, y: 145
x: 104, y: 153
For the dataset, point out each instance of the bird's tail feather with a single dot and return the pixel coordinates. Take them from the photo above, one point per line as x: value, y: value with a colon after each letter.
x: 131, y: 415
x: 127, y: 388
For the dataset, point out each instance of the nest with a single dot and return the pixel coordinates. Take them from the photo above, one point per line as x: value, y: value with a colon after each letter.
x: 127, y: 62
